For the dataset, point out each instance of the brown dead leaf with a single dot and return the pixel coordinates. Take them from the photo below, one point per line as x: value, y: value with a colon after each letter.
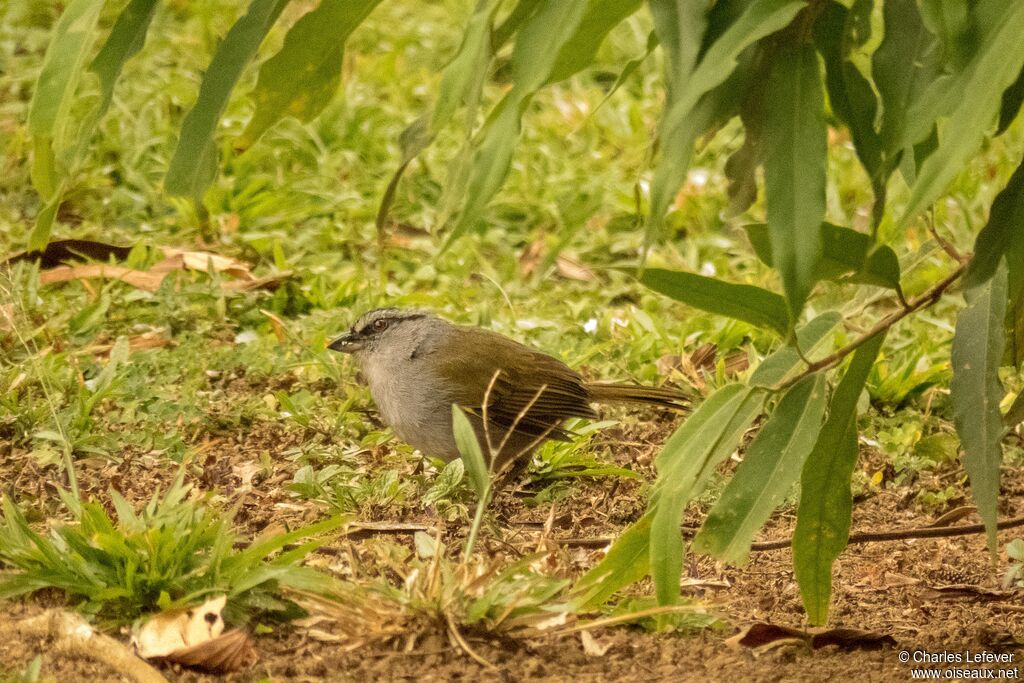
x: 965, y: 590
x: 136, y: 278
x: 571, y: 269
x: 228, y: 652
x: 6, y: 317
x: 140, y: 342
x: 203, y: 261
x: 954, y: 515
x: 531, y: 256
x: 277, y: 325
x: 176, y: 629
x: 761, y: 635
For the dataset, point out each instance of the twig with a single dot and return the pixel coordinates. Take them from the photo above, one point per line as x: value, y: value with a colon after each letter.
x: 926, y: 299
x: 862, y: 537
x: 946, y: 245
x: 76, y: 637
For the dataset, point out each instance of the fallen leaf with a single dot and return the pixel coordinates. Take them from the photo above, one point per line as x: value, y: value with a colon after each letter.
x: 6, y: 317
x: 572, y: 269
x: 954, y: 515
x: 591, y: 646
x: 136, y: 278
x: 204, y: 261
x: 176, y: 629
x: 277, y: 325
x: 230, y: 651
x: 531, y: 256
x: 762, y: 635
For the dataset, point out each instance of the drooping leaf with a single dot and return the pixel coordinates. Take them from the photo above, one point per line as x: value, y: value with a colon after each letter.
x: 534, y: 59
x: 303, y: 76
x: 125, y: 40
x: 845, y: 256
x: 994, y: 66
x: 627, y: 562
x: 689, y: 456
x: 744, y: 302
x: 679, y: 26
x: 469, y: 449
x: 906, y: 61
x: 600, y: 17
x: 781, y: 364
x: 826, y: 502
x: 950, y: 20
x: 794, y: 170
x: 51, y: 100
x: 679, y: 126
x: 1013, y: 97
x: 770, y: 466
x: 850, y: 94
x: 62, y: 67
x: 461, y: 81
x: 1002, y: 237
x: 194, y: 164
x: 976, y: 392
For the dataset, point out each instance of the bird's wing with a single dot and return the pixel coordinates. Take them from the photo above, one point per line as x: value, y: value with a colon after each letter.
x: 532, y: 391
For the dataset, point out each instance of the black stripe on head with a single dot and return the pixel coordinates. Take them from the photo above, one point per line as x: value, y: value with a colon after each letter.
x: 365, y: 324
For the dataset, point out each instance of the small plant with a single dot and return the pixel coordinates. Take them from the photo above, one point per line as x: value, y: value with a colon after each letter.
x: 173, y: 553
x: 1014, y: 575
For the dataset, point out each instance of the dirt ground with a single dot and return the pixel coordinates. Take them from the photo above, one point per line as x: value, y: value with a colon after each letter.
x: 899, y: 588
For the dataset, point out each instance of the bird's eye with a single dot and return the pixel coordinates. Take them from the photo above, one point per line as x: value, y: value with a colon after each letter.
x: 380, y: 325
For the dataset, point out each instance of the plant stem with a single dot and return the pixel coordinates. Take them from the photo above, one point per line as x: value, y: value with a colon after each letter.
x: 923, y: 301
x: 478, y: 519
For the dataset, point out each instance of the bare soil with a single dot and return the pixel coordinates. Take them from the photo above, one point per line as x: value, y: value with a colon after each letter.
x: 897, y: 588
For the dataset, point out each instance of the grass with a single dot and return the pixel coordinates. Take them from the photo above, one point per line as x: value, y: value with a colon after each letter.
x: 72, y: 388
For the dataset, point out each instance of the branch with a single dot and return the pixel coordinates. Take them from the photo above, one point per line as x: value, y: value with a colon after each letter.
x: 862, y: 537
x: 924, y: 300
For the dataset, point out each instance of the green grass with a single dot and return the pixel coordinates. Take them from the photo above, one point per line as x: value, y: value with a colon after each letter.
x: 304, y: 199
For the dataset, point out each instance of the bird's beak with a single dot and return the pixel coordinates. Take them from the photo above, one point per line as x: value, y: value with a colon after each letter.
x: 346, y: 343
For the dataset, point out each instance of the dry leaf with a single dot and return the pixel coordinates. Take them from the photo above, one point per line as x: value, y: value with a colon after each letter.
x: 572, y: 269
x: 230, y: 651
x: 204, y: 261
x: 6, y: 317
x: 277, y: 325
x: 136, y: 278
x: 954, y: 515
x: 176, y: 629
x: 530, y: 258
x: 591, y: 646
x: 762, y: 635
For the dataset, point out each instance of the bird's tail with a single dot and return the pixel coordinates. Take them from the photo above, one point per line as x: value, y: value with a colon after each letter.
x: 637, y: 393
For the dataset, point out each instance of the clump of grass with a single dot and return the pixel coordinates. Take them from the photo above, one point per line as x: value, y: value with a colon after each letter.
x: 173, y: 553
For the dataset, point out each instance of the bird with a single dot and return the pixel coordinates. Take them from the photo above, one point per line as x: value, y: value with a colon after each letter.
x: 417, y: 365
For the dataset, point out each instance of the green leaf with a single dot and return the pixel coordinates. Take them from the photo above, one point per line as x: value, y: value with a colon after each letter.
x: 976, y: 392
x: 461, y: 81
x: 743, y: 302
x: 950, y: 20
x: 303, y: 76
x: 1002, y: 237
x: 627, y: 561
x: 845, y: 256
x: 680, y: 27
x: 794, y: 170
x: 850, y: 94
x: 469, y: 449
x: 194, y: 164
x: 973, y: 97
x: 125, y: 40
x: 62, y: 68
x: 534, y: 59
x: 684, y: 464
x: 580, y: 50
x: 904, y: 64
x: 770, y: 467
x: 778, y: 367
x: 826, y: 503
x: 681, y: 124
x: 1013, y: 97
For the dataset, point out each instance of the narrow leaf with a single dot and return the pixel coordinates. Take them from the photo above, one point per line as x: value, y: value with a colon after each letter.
x: 1002, y: 237
x: 580, y: 50
x: 973, y: 96
x: 303, y: 76
x: 950, y: 20
x: 706, y: 438
x: 534, y: 59
x: 1013, y: 97
x: 469, y: 449
x: 194, y: 164
x: 770, y: 467
x: 976, y: 392
x: 826, y: 502
x: 743, y: 302
x: 794, y: 170
x: 677, y: 131
x: 780, y: 365
x: 125, y: 40
x: 627, y: 561
x: 845, y: 256
x: 904, y: 64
